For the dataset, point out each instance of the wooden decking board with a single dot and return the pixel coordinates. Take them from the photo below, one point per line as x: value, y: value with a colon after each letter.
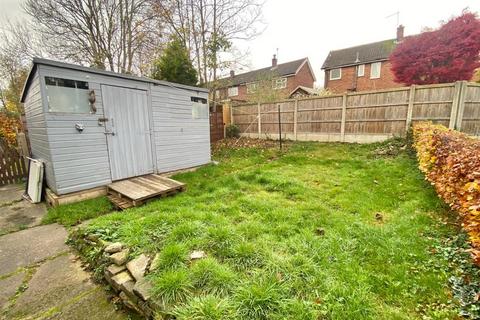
x: 129, y: 189
x: 148, y: 185
x: 151, y: 183
x: 136, y: 191
x: 166, y: 181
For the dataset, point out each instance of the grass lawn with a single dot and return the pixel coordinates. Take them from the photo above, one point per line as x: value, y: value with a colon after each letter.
x: 322, y: 231
x: 72, y: 214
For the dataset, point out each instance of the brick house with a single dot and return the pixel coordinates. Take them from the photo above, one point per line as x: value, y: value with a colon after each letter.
x: 284, y: 77
x: 364, y: 67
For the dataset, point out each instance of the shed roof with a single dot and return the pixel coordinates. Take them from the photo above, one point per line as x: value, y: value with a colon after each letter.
x: 47, y: 62
x: 281, y: 70
x: 307, y: 90
x: 370, y: 52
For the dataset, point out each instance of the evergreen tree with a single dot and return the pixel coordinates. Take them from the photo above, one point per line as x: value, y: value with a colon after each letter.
x: 175, y: 65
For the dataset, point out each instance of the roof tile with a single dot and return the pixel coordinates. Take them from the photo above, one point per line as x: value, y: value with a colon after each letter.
x: 280, y: 70
x: 370, y: 52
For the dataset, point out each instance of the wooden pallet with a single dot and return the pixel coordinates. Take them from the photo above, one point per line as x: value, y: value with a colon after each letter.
x: 136, y: 191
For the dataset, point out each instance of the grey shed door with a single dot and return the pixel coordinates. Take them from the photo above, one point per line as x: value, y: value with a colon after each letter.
x: 128, y: 131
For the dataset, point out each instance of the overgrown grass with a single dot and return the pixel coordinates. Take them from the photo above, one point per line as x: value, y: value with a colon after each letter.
x: 323, y: 231
x: 72, y: 214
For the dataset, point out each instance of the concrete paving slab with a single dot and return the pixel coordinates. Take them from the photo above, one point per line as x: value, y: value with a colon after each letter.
x: 94, y: 305
x: 11, y: 193
x: 21, y: 215
x: 55, y: 283
x: 9, y: 287
x: 61, y: 289
x: 26, y: 247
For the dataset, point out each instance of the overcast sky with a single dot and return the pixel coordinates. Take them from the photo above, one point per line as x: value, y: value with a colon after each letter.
x: 311, y: 28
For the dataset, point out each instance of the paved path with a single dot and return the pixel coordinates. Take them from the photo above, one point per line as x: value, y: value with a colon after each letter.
x: 40, y: 278
x: 16, y: 213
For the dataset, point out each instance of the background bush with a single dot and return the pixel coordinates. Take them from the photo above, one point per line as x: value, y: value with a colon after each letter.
x: 451, y: 162
x: 232, y: 131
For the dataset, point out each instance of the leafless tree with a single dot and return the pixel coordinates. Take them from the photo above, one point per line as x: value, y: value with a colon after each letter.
x: 19, y: 45
x: 209, y: 29
x: 116, y: 35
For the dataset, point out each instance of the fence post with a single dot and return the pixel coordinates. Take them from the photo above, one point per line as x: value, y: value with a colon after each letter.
x: 295, y: 119
x: 344, y: 115
x: 461, y: 104
x: 455, y: 104
x: 411, y: 100
x: 259, y: 121
x: 23, y: 147
x: 231, y: 115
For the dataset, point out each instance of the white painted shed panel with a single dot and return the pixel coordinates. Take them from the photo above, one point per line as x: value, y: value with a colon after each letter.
x: 180, y: 141
x: 77, y: 161
x: 129, y: 136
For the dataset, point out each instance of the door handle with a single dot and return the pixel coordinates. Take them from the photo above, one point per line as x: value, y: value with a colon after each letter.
x: 109, y: 132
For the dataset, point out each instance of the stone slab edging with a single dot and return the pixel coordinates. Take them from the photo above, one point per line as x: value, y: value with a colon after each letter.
x: 126, y: 277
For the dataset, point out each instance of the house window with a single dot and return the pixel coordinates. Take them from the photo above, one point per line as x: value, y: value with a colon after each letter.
x: 65, y: 95
x: 279, y: 83
x: 361, y: 70
x: 233, y: 91
x: 336, y: 74
x: 375, y: 70
x: 199, y: 108
x: 252, y: 87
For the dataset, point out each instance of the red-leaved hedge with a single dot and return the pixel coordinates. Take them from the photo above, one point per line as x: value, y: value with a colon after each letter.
x: 451, y: 162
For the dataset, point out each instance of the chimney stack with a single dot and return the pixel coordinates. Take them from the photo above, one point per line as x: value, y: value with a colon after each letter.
x: 232, y: 73
x: 400, y: 30
x: 274, y: 60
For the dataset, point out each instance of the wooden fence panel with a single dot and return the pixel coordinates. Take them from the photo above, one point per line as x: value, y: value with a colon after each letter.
x: 383, y: 112
x: 269, y: 117
x: 320, y: 115
x: 470, y: 121
x: 12, y: 166
x: 364, y: 116
x: 245, y: 117
x: 433, y: 103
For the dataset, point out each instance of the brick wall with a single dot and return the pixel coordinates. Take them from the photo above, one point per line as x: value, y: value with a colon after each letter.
x: 304, y: 77
x: 364, y: 83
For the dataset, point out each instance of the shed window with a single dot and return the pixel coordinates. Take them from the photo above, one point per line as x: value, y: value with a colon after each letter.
x: 199, y: 108
x: 65, y: 95
x: 335, y: 74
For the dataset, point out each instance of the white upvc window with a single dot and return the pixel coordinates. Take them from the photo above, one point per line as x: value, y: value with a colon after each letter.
x: 361, y: 70
x: 279, y: 83
x: 233, y: 91
x: 336, y: 74
x: 252, y: 87
x: 375, y: 69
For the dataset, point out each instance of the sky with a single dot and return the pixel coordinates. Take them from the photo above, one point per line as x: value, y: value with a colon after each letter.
x: 311, y: 28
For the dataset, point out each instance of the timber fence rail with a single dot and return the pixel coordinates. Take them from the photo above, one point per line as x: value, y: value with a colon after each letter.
x: 363, y: 116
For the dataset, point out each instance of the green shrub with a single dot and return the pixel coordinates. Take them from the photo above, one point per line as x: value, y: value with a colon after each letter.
x: 232, y: 131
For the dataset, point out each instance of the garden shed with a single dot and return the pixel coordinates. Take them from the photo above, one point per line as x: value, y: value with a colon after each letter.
x: 92, y: 127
